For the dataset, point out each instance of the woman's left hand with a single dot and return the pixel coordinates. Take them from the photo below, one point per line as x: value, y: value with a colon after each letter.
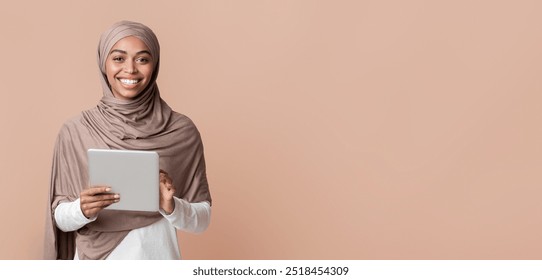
x: 167, y: 190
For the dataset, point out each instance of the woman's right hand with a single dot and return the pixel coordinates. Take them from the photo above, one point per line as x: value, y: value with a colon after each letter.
x: 95, y: 199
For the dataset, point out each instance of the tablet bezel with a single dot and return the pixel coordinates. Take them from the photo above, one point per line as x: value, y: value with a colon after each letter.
x: 133, y: 174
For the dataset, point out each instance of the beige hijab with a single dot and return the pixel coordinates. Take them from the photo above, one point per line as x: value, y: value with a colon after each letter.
x: 144, y: 123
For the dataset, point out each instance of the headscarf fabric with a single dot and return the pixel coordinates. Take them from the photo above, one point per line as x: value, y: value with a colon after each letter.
x: 144, y: 123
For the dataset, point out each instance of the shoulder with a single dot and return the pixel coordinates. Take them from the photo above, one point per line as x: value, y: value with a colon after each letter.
x: 185, y: 127
x: 183, y: 120
x: 73, y: 121
x: 71, y: 124
x: 72, y: 127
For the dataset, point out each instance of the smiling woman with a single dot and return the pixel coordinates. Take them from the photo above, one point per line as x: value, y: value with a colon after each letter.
x: 130, y: 116
x: 129, y: 68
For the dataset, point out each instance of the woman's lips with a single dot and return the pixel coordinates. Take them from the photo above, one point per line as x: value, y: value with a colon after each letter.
x: 129, y: 81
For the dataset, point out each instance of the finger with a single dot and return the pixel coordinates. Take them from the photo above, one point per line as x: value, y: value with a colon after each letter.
x: 91, y: 209
x: 166, y: 184
x: 163, y: 178
x: 97, y: 198
x: 93, y: 190
x: 97, y: 205
x: 163, y: 175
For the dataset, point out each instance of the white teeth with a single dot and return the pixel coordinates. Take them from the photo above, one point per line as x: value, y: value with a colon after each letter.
x: 129, y: 82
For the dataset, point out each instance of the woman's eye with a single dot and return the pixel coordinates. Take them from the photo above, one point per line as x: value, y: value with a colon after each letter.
x: 117, y: 59
x: 142, y: 60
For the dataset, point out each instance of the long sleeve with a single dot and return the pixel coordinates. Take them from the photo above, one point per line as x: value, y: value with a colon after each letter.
x: 69, y: 217
x: 189, y: 217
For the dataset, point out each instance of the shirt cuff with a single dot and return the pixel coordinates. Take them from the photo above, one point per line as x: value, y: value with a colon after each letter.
x: 79, y: 213
x: 70, y: 217
x: 189, y: 217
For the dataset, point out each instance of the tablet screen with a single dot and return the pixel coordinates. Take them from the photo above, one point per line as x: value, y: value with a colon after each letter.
x: 132, y: 174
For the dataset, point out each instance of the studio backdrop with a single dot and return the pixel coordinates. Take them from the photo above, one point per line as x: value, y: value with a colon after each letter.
x: 332, y: 129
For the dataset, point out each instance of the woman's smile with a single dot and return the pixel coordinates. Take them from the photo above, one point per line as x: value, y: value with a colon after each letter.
x: 129, y: 82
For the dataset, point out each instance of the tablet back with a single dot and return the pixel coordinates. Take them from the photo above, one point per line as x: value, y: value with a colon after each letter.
x: 132, y: 174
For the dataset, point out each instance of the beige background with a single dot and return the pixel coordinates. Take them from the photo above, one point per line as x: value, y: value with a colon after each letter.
x: 333, y: 129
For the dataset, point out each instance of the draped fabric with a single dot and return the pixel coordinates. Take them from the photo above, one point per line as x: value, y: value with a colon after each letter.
x: 143, y: 123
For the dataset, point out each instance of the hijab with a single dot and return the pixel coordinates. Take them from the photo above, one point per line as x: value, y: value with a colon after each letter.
x: 145, y: 122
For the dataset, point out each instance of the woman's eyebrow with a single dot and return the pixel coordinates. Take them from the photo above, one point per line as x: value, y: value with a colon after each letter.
x: 144, y: 51
x: 120, y: 51
x: 124, y: 52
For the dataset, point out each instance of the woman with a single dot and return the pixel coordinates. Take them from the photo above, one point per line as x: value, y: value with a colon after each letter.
x: 131, y: 116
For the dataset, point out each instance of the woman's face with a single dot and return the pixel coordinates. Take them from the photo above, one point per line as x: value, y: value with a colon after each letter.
x: 129, y: 67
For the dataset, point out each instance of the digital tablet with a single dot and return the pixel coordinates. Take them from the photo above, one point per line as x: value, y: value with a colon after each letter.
x: 135, y: 175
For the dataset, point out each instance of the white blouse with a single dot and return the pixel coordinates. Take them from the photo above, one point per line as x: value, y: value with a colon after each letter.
x: 156, y: 241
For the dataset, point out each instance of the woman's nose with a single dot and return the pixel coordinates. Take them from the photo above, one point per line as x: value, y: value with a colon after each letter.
x: 130, y: 68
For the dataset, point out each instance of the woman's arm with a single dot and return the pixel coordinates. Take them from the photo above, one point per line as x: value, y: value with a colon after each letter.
x: 183, y: 215
x: 189, y: 217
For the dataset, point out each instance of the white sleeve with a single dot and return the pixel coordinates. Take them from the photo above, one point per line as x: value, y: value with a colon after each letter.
x: 69, y: 217
x: 189, y: 217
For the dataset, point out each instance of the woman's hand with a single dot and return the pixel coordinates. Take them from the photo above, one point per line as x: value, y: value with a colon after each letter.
x: 95, y: 199
x: 167, y: 190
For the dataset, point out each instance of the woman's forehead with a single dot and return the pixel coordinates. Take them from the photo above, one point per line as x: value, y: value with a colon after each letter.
x: 130, y: 44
